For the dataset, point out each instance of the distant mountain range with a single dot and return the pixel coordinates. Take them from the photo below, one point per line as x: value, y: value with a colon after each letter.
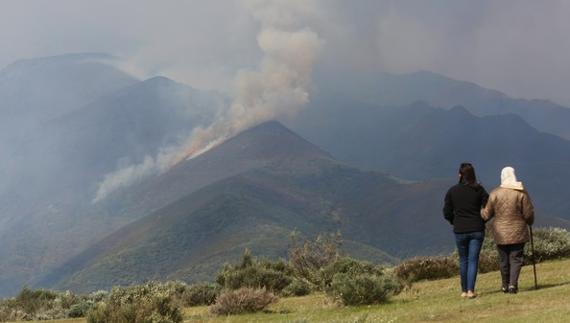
x: 35, y: 91
x: 38, y: 90
x: 384, y: 89
x: 52, y: 173
x: 419, y: 142
x: 362, y: 158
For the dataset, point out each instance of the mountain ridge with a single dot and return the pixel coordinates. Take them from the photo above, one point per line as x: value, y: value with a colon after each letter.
x: 388, y: 89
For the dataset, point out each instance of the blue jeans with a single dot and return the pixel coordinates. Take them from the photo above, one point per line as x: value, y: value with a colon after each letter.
x: 468, y: 247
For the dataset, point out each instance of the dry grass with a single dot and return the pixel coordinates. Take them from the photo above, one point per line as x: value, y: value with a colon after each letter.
x: 79, y: 320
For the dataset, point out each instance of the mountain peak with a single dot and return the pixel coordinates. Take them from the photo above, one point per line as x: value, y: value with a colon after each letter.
x: 270, y: 140
x: 160, y: 80
x: 271, y: 127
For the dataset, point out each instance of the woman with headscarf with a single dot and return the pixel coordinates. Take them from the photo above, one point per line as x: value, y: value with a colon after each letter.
x: 511, y: 210
x: 463, y: 203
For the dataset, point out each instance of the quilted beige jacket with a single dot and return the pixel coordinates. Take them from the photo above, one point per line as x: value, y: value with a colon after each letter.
x: 511, y: 210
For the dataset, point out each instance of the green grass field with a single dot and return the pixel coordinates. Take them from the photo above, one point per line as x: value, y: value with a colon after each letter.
x: 435, y: 301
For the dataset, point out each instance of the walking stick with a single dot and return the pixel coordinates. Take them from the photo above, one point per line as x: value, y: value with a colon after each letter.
x: 532, y: 258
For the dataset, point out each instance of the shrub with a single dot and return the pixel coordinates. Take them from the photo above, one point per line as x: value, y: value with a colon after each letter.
x: 297, y: 288
x: 308, y: 258
x: 363, y: 289
x: 356, y: 282
x: 31, y: 301
x: 98, y: 296
x: 429, y: 268
x: 345, y: 265
x: 37, y: 305
x: 80, y: 309
x: 99, y: 314
x: 254, y: 277
x: 156, y: 310
x: 10, y: 312
x: 200, y: 294
x: 549, y: 243
x: 147, y: 303
x: 243, y: 300
x: 273, y: 276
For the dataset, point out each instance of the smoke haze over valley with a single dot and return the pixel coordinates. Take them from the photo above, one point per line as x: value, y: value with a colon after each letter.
x: 144, y: 137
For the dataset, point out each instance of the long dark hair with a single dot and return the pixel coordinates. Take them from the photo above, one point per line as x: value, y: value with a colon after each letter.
x: 467, y: 175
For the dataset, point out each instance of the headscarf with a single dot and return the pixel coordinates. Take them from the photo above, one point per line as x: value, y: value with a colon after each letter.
x: 509, y: 179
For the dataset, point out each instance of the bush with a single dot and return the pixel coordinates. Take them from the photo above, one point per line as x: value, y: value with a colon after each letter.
x: 156, y: 310
x: 80, y: 309
x: 243, y: 300
x: 549, y: 243
x: 254, y: 277
x: 200, y: 294
x: 31, y: 301
x: 363, y: 289
x: 148, y: 303
x: 297, y: 288
x: 98, y: 296
x: 37, y: 305
x: 346, y: 265
x: 429, y: 268
x: 273, y: 276
x: 307, y: 259
x: 356, y: 282
x: 10, y: 312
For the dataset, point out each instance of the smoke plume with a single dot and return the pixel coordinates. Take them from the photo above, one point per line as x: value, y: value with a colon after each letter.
x: 279, y: 86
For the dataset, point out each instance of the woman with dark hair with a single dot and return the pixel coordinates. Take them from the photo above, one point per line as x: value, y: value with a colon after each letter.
x: 511, y: 210
x: 463, y: 203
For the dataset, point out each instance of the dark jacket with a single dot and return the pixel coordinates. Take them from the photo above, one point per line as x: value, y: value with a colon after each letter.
x: 462, y: 207
x: 512, y: 211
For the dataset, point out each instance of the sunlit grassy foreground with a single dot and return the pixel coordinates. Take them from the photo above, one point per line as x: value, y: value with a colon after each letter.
x: 436, y: 301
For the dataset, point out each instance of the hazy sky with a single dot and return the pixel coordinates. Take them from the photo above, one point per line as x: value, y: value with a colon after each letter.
x: 520, y: 47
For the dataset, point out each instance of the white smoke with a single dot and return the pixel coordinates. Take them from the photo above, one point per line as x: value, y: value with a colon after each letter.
x: 280, y: 86
x: 126, y: 176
